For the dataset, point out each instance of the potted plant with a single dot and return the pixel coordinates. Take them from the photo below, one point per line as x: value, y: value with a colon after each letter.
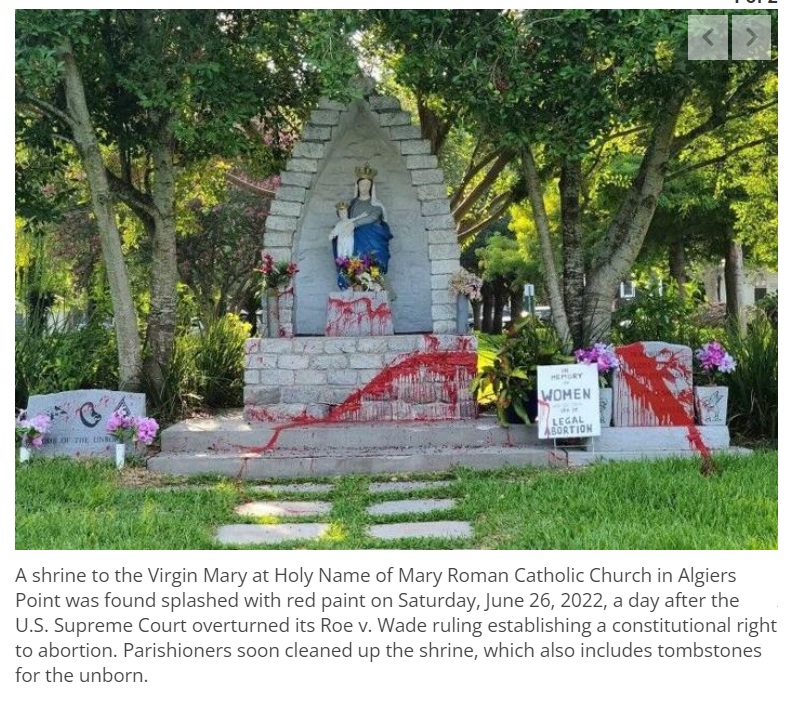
x: 467, y: 288
x: 603, y: 355
x: 510, y: 380
x: 276, y: 279
x: 30, y: 433
x: 711, y: 399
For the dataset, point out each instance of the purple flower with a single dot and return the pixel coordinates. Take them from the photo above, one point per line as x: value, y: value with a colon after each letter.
x: 40, y: 423
x: 120, y: 425
x: 602, y: 354
x: 145, y: 429
x: 713, y: 358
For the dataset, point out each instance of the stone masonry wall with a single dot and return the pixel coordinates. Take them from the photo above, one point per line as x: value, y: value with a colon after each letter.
x: 385, y: 378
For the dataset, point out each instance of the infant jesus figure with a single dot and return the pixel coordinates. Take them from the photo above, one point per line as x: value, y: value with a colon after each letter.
x: 343, y: 231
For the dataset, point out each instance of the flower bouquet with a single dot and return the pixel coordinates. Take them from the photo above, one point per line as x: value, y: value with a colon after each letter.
x: 466, y: 284
x: 125, y: 428
x: 603, y: 355
x: 361, y: 273
x: 30, y: 433
x: 276, y: 275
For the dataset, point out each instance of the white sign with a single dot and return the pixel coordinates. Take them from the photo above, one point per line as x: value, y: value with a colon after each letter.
x: 529, y: 290
x: 568, y: 401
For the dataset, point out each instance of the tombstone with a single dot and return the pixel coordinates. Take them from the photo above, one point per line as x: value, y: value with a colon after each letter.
x: 653, y: 385
x: 79, y: 418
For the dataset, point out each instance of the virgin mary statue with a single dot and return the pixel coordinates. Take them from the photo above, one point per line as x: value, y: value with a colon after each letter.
x: 371, y: 233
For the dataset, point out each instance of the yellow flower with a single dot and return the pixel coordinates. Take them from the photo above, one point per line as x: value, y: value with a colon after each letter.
x: 375, y: 272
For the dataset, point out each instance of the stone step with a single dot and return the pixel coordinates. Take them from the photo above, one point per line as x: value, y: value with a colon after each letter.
x: 295, y: 488
x: 285, y: 509
x: 410, y: 506
x: 282, y: 464
x: 233, y: 434
x: 248, y: 534
x: 422, y: 529
x: 410, y: 486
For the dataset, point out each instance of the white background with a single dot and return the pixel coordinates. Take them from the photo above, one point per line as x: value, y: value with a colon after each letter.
x: 764, y: 582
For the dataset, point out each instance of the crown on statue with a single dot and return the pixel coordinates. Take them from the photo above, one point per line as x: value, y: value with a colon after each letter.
x: 340, y: 205
x: 366, y: 172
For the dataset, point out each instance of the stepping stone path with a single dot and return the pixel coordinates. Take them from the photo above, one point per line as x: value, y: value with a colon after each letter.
x: 422, y: 529
x: 297, y: 488
x: 410, y: 506
x: 243, y: 534
x: 416, y: 486
x: 283, y: 509
x: 248, y: 534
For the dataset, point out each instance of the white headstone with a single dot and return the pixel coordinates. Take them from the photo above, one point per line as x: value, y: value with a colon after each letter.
x: 568, y: 401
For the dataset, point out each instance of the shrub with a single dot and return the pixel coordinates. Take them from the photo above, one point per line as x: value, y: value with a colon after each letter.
x: 219, y: 362
x: 753, y: 386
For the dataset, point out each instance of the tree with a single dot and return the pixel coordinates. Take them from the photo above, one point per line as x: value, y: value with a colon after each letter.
x: 558, y: 88
x: 168, y: 89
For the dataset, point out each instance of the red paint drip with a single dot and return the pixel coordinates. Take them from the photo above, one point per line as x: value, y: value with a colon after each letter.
x: 655, y: 383
x: 349, y: 317
x: 452, y: 370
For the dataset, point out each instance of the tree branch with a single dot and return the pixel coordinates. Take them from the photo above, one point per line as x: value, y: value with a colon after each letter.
x: 723, y: 157
x: 139, y: 202
x: 470, y: 174
x: 248, y: 186
x: 47, y: 108
x: 504, y: 156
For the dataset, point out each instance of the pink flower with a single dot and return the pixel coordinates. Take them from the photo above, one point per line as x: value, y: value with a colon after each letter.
x: 120, y: 425
x: 602, y: 354
x: 713, y: 358
x: 145, y: 429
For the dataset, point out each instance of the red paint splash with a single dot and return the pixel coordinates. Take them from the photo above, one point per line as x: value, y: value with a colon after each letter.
x: 661, y: 393
x: 358, y: 317
x: 419, y: 373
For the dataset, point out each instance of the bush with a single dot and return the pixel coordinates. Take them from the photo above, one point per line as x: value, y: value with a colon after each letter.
x: 63, y: 359
x: 753, y: 386
x: 664, y: 315
x: 219, y: 362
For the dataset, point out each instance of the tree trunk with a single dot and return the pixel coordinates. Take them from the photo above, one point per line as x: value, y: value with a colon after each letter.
x: 517, y: 304
x: 624, y: 238
x: 477, y: 314
x: 128, y: 340
x: 161, y: 327
x: 433, y: 127
x: 486, y: 323
x: 500, y: 299
x: 733, y: 275
x: 677, y: 266
x: 573, y: 256
x: 535, y: 191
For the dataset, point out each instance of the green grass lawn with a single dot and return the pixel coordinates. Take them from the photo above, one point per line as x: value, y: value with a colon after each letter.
x: 668, y: 504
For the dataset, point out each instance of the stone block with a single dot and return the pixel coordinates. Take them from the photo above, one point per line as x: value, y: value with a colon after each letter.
x: 296, y: 178
x: 358, y: 313
x: 282, y: 508
x: 314, y: 377
x: 333, y: 346
x: 444, y: 326
x: 410, y: 506
x: 438, y: 222
x: 445, y: 266
x: 294, y: 362
x: 261, y: 362
x: 251, y: 346
x: 78, y: 419
x: 291, y: 193
x: 288, y: 208
x: 364, y: 361
x: 327, y: 104
x: 280, y: 253
x: 422, y: 161
x: 261, y: 396
x: 303, y: 395
x: 444, y: 252
x: 316, y: 133
x: 309, y: 346
x: 406, y: 343
x: 309, y: 150
x: 395, y: 118
x: 431, y: 192
x: 368, y: 375
x: 278, y: 238
x: 421, y: 177
x: 440, y: 281
x: 405, y: 132
x: 329, y: 362
x: 421, y: 529
x: 308, y: 166
x: 441, y: 237
x: 277, y: 378
x: 439, y: 207
x: 407, y: 486
x: 324, y: 117
x: 442, y: 296
x: 252, y: 534
x: 346, y: 377
x: 275, y: 346
x: 372, y: 345
x: 653, y: 385
x: 383, y: 103
x: 415, y: 147
x: 251, y: 377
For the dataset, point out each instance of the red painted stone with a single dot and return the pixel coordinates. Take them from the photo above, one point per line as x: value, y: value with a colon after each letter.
x: 358, y: 313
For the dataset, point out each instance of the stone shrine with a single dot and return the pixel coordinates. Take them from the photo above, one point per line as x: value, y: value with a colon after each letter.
x: 345, y: 355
